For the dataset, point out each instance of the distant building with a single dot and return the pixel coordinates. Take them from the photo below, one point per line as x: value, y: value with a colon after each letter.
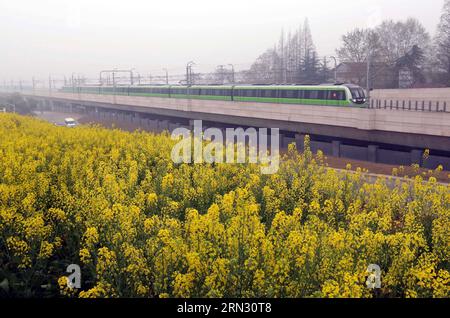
x: 382, y: 76
x: 405, y: 78
x: 352, y: 72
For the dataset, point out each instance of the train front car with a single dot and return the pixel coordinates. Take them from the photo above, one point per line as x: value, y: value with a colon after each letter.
x: 357, y: 95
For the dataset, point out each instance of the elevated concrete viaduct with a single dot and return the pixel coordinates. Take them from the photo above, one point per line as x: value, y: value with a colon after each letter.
x: 386, y: 135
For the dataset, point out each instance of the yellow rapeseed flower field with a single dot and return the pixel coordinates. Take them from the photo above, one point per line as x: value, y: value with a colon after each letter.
x: 141, y: 226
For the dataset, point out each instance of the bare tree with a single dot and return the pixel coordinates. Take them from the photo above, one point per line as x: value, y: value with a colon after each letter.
x: 398, y: 38
x: 261, y: 70
x: 442, y: 43
x: 356, y: 45
x: 293, y: 59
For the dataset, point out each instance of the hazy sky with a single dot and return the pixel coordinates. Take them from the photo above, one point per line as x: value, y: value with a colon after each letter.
x: 42, y: 37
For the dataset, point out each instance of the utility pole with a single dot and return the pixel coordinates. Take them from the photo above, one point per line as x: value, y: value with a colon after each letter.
x: 369, y: 57
x: 73, y: 83
x: 189, y: 73
x: 167, y: 75
x: 335, y: 68
x: 114, y: 85
x: 221, y: 70
x: 232, y: 73
x: 79, y: 84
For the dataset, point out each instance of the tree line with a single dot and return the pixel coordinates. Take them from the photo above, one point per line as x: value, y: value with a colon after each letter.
x: 393, y: 49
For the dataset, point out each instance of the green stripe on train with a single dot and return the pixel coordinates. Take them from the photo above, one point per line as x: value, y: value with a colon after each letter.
x: 228, y: 98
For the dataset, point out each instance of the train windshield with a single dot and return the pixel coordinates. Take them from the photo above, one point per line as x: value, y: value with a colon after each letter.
x: 358, y: 93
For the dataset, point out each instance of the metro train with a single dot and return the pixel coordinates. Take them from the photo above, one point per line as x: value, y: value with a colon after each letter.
x: 348, y: 95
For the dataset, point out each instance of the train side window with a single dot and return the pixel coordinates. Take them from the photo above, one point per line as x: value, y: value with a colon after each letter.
x: 321, y: 94
x: 267, y: 93
x: 291, y: 94
x: 336, y: 95
x: 307, y: 94
x: 333, y: 95
x: 313, y: 94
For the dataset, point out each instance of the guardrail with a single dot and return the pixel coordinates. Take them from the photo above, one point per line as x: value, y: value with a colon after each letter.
x: 410, y: 105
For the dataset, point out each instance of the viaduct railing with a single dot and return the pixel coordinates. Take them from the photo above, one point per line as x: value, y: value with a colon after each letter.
x: 410, y: 105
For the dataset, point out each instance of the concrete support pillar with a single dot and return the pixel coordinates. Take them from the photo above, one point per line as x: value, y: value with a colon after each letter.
x: 285, y: 141
x: 188, y: 127
x: 191, y: 124
x: 336, y: 148
x: 372, y: 153
x: 416, y: 157
x: 153, y: 125
x: 173, y: 126
x: 163, y: 125
x: 300, y: 142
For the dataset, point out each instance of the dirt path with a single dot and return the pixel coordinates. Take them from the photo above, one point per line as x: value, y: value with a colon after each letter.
x: 385, y: 169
